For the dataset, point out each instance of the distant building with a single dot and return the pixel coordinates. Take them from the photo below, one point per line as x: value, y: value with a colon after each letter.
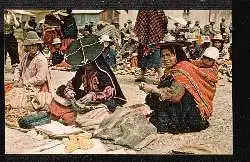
x: 83, y: 17
x: 110, y: 16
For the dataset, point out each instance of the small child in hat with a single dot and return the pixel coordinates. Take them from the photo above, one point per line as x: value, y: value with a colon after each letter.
x: 58, y: 55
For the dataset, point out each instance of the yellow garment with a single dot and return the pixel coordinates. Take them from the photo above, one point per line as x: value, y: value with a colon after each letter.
x: 81, y: 141
x: 228, y: 62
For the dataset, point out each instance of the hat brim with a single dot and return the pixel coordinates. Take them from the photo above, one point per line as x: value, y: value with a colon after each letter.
x: 179, y: 43
x: 214, y: 39
x: 31, y: 42
x: 106, y: 40
x: 57, y: 43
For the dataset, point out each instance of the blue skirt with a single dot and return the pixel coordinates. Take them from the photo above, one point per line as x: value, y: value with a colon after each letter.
x: 150, y: 61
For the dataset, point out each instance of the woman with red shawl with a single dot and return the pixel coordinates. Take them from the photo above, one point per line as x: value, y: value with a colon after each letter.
x: 182, y: 102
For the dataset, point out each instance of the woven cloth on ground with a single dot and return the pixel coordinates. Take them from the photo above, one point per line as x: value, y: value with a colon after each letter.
x: 127, y: 127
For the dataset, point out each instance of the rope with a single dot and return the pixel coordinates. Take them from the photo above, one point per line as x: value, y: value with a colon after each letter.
x: 88, y: 45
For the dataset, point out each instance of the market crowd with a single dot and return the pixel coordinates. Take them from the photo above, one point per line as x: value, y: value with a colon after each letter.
x: 188, y: 60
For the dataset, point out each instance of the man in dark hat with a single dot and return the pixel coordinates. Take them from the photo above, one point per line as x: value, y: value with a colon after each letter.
x: 211, y: 28
x: 31, y: 24
x: 188, y: 25
x: 177, y: 29
x: 90, y: 27
x: 123, y: 33
x: 206, y: 31
x: 223, y: 26
x: 196, y: 29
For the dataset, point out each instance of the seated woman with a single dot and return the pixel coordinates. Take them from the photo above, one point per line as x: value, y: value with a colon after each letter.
x: 93, y: 83
x: 33, y: 69
x: 129, y: 50
x: 129, y: 47
x: 218, y: 42
x: 58, y: 55
x: 182, y: 102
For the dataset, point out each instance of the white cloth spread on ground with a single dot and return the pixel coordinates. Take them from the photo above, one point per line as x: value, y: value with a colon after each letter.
x: 56, y: 128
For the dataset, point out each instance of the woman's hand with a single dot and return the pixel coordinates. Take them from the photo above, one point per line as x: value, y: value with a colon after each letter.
x: 166, y: 94
x: 145, y: 87
x: 70, y: 94
x: 86, y: 99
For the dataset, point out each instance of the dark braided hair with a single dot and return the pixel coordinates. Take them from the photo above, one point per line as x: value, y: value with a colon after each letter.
x: 177, y: 50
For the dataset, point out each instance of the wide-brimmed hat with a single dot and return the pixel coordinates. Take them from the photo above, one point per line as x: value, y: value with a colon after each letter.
x: 83, y: 50
x: 32, y: 38
x: 225, y: 34
x: 60, y: 13
x: 105, y: 38
x: 171, y: 40
x: 191, y: 40
x: 56, y: 41
x: 217, y: 37
x: 211, y: 52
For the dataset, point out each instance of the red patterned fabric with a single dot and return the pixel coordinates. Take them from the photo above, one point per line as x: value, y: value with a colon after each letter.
x: 92, y: 85
x: 200, y: 83
x: 66, y: 44
x: 48, y: 37
x: 65, y: 113
x: 150, y: 25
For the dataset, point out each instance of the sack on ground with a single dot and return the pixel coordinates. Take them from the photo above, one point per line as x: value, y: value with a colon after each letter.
x: 126, y: 127
x: 92, y: 120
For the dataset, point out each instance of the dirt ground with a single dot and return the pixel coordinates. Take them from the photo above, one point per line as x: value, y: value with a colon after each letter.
x: 218, y: 138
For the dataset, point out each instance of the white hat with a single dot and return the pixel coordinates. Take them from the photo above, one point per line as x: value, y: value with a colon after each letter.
x: 105, y: 38
x: 218, y: 37
x: 56, y: 41
x: 169, y: 38
x: 190, y: 40
x: 212, y: 53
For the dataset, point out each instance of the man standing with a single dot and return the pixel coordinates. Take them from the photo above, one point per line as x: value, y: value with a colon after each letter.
x: 188, y: 25
x: 31, y: 24
x: 69, y: 27
x: 196, y: 29
x: 129, y: 27
x: 123, y: 34
x: 91, y: 25
x: 211, y: 29
x: 223, y: 26
x: 10, y: 42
